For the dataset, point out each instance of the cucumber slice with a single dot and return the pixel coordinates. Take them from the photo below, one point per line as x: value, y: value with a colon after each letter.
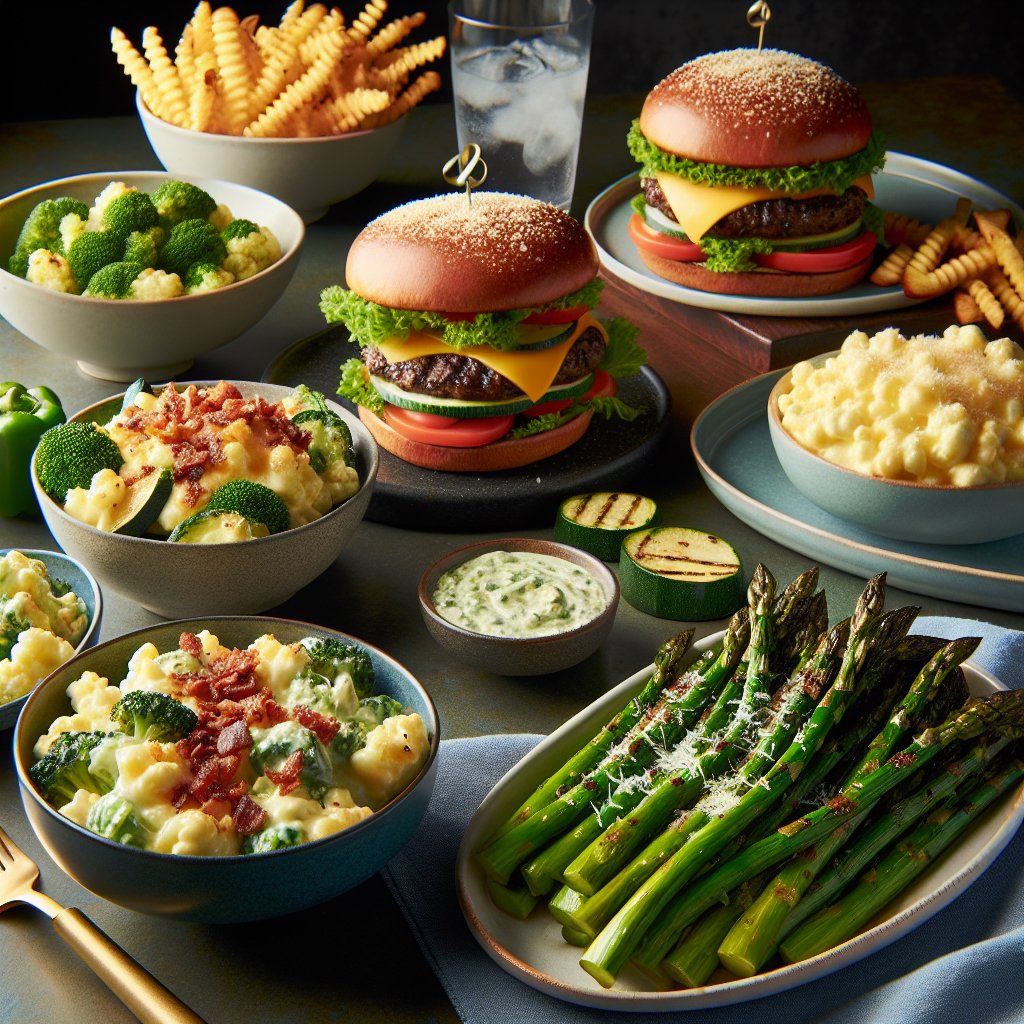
x: 331, y: 438
x: 676, y: 573
x: 143, y: 504
x: 470, y: 410
x: 539, y: 336
x: 809, y: 242
x: 599, y: 522
x: 213, y: 527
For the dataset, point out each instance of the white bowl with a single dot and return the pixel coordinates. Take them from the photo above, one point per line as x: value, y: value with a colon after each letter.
x: 308, y: 174
x: 900, y: 509
x: 157, y: 339
x: 183, y: 580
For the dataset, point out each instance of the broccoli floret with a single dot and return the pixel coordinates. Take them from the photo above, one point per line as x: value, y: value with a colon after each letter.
x: 255, y: 501
x: 11, y: 627
x: 113, y: 817
x: 280, y: 837
x: 206, y: 277
x: 91, y: 252
x: 249, y: 251
x: 176, y: 201
x: 128, y: 212
x: 313, y: 691
x: 114, y: 281
x: 70, y: 454
x: 64, y: 769
x: 178, y: 663
x: 141, y: 247
x: 330, y: 657
x: 191, y: 241
x: 376, y: 708
x: 239, y: 228
x: 149, y: 715
x: 281, y: 741
x: 41, y: 230
x: 349, y: 738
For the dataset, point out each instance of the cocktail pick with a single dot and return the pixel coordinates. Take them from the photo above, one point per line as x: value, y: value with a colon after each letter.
x: 758, y: 15
x: 468, y: 161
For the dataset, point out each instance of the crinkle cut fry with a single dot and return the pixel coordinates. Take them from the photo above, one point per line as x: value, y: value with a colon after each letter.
x: 989, y: 306
x: 1007, y: 254
x: 890, y: 270
x: 135, y: 67
x: 900, y: 229
x: 393, y: 33
x: 428, y: 82
x: 367, y: 20
x: 166, y: 80
x: 1007, y: 295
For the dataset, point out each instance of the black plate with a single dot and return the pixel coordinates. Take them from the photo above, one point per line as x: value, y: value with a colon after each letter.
x: 609, y: 456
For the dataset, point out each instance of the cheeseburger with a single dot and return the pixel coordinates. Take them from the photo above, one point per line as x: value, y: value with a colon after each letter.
x: 478, y: 347
x: 756, y: 176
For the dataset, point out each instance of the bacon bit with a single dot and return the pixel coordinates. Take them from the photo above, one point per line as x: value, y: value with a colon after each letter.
x: 133, y: 478
x: 191, y: 644
x: 217, y: 807
x: 262, y: 710
x: 229, y: 677
x: 249, y: 817
x: 323, y: 727
x: 286, y: 778
x: 234, y: 737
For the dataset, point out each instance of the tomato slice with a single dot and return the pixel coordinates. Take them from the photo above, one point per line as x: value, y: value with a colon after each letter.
x: 662, y: 245
x: 557, y: 316
x: 447, y: 431
x: 604, y: 386
x: 821, y: 261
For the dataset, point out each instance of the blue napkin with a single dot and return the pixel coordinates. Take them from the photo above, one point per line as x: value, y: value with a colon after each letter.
x: 963, y: 964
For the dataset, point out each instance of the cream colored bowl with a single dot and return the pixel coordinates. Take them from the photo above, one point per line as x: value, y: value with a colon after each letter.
x: 157, y: 339
x: 307, y: 174
x: 181, y: 580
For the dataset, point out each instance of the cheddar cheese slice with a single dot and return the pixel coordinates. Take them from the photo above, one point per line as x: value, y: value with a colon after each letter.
x: 697, y: 207
x: 531, y: 370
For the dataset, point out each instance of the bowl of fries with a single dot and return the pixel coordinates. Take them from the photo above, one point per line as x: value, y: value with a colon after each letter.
x: 308, y: 110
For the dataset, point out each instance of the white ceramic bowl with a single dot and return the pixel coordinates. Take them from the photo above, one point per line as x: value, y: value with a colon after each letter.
x: 80, y: 580
x: 221, y: 889
x: 520, y: 656
x: 902, y: 510
x: 157, y: 339
x: 183, y: 580
x: 308, y: 174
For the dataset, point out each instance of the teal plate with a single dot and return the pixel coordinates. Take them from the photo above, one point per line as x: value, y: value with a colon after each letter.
x: 734, y: 453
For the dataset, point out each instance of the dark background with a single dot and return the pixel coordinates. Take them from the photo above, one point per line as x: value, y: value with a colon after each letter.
x: 57, y: 61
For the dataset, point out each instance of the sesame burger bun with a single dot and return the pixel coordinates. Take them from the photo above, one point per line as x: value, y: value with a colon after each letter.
x: 750, y: 108
x: 755, y: 282
x: 448, y: 254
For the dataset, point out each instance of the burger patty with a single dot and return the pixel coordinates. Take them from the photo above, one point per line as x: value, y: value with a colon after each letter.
x: 452, y: 375
x: 776, y: 218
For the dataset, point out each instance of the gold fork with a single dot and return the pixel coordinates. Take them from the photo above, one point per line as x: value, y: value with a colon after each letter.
x: 124, y: 976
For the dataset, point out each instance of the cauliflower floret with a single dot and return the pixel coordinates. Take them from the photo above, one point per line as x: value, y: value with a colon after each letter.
x: 148, y: 775
x: 221, y: 217
x: 392, y: 755
x: 195, y: 834
x: 50, y: 270
x: 92, y: 697
x: 278, y: 664
x: 102, y: 201
x: 251, y: 253
x: 206, y: 277
x: 36, y: 654
x: 71, y: 227
x: 339, y: 812
x: 156, y: 284
x: 79, y: 806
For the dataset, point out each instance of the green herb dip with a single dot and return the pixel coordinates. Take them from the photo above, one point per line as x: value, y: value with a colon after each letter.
x: 518, y: 594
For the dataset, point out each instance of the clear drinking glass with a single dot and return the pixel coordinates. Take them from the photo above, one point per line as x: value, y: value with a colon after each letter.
x: 519, y: 78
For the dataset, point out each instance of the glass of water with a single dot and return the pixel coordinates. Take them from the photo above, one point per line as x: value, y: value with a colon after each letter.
x: 519, y: 78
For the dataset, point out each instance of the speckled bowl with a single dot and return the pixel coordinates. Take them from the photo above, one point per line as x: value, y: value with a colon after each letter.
x: 180, y: 580
x: 510, y: 656
x: 308, y: 174
x: 159, y: 338
x: 220, y: 889
x: 903, y: 510
x: 81, y: 581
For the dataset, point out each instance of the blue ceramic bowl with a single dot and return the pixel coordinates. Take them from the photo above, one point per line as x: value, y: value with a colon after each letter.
x: 900, y: 509
x: 81, y: 581
x: 221, y: 889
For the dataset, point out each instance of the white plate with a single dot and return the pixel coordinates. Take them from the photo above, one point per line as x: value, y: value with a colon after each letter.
x: 907, y: 184
x: 534, y: 951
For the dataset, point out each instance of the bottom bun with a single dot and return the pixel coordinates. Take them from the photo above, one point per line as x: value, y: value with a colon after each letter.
x: 508, y: 454
x: 775, y: 283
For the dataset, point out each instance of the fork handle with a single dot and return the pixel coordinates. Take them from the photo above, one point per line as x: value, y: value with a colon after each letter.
x: 123, y: 975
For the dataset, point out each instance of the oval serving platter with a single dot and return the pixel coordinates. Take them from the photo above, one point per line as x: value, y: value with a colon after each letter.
x: 534, y: 951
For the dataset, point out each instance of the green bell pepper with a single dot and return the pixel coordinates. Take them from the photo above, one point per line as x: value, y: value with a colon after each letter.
x: 25, y: 413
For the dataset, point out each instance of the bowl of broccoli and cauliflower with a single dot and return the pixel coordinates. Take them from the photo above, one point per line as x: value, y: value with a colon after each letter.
x: 226, y: 769
x: 136, y: 273
x: 206, y: 498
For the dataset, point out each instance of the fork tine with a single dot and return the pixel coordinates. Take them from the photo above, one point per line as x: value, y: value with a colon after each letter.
x: 6, y: 853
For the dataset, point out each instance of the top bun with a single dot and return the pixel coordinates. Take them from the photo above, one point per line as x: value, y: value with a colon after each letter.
x: 750, y: 108
x: 446, y: 254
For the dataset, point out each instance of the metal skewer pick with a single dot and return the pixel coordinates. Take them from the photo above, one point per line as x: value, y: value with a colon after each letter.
x: 758, y: 15
x: 467, y: 161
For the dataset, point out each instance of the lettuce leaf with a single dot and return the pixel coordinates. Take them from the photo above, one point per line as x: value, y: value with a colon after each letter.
x: 837, y: 175
x: 622, y: 357
x: 356, y: 387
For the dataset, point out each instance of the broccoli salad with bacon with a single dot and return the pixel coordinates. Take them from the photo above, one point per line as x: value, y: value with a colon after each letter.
x: 215, y: 751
